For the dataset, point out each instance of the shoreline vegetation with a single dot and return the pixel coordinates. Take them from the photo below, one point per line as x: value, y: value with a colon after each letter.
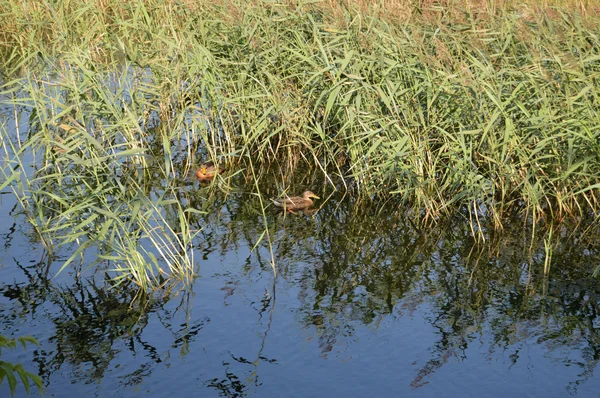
x: 481, y: 108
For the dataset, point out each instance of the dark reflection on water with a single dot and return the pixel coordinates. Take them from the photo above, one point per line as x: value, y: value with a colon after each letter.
x: 365, y: 302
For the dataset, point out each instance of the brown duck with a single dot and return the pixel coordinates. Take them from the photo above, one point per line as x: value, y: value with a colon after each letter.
x: 208, y: 171
x: 296, y: 202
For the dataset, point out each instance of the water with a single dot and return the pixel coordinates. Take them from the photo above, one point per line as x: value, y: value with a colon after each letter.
x: 360, y: 306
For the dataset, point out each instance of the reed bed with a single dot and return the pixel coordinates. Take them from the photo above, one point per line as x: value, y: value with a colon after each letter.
x: 485, y: 109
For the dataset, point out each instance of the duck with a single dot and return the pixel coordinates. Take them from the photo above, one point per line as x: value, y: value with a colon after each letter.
x: 208, y: 170
x: 296, y: 202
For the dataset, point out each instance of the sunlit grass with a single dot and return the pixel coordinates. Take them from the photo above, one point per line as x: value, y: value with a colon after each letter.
x: 484, y: 109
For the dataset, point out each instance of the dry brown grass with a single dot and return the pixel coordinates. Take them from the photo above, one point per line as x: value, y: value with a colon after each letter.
x: 413, y: 11
x: 407, y: 10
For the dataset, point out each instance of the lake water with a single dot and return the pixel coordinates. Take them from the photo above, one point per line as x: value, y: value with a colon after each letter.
x: 365, y: 303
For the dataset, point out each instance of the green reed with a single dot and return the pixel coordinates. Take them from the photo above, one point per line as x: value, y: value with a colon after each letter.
x: 9, y: 370
x: 482, y: 115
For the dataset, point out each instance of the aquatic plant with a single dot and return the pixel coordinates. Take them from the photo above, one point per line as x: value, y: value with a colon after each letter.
x: 10, y: 371
x: 485, y: 113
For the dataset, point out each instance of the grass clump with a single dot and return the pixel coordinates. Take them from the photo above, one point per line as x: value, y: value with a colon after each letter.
x: 447, y: 107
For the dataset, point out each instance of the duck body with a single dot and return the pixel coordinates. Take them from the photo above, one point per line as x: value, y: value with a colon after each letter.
x: 296, y: 202
x: 207, y: 171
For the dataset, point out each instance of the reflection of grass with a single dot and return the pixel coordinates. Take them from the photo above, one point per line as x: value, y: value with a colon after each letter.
x: 486, y: 113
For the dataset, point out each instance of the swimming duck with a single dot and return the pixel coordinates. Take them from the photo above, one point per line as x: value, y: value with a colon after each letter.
x: 207, y: 171
x: 296, y: 202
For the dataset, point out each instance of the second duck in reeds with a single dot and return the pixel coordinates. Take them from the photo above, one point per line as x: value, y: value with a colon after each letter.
x: 207, y: 171
x: 292, y: 203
